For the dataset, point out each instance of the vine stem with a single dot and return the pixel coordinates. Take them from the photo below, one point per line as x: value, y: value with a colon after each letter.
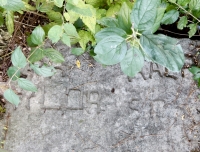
x: 13, y: 76
x: 185, y: 10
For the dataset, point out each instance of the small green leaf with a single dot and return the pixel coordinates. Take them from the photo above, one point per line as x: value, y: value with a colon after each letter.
x: 183, y: 2
x: 55, y: 33
x: 38, y: 35
x: 110, y: 50
x: 11, y: 97
x: 58, y: 3
x: 10, y: 21
x: 124, y: 18
x: 108, y: 22
x: 70, y: 30
x: 26, y: 85
x: 163, y: 50
x: 45, y: 7
x: 113, y: 10
x: 182, y: 22
x: 14, y: 5
x: 13, y: 70
x: 44, y: 71
x: 144, y: 14
x: 66, y: 39
x: 170, y: 17
x: 18, y: 59
x: 29, y: 42
x: 36, y: 54
x: 77, y: 51
x: 85, y: 37
x: 55, y: 16
x: 194, y: 5
x: 194, y: 70
x: 193, y: 29
x: 108, y: 32
x: 54, y: 55
x: 133, y: 62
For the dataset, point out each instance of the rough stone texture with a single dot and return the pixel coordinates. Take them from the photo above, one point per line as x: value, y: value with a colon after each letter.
x: 99, y: 109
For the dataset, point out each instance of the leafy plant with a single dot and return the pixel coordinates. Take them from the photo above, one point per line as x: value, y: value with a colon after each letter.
x: 196, y: 72
x: 120, y: 31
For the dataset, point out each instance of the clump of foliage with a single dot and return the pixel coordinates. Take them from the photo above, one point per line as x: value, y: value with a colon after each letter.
x: 120, y: 31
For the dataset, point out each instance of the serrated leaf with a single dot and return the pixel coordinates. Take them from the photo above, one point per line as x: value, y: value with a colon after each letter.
x: 143, y: 14
x: 85, y: 37
x: 194, y: 5
x: 123, y: 16
x: 77, y: 51
x: 55, y: 33
x: 66, y: 39
x: 54, y: 55
x: 108, y: 22
x: 36, y: 54
x: 55, y: 16
x: 44, y: 71
x: 132, y: 62
x: 3, y: 2
x: 14, y: 5
x: 11, y: 97
x: 182, y: 22
x: 18, y: 59
x: 26, y: 85
x: 193, y: 29
x: 108, y: 32
x: 163, y: 50
x: 9, y: 21
x: 38, y: 35
x: 70, y: 30
x: 110, y: 50
x: 170, y: 17
x: 13, y: 70
x: 58, y: 3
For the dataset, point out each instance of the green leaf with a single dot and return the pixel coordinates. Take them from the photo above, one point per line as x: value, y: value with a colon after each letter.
x: 47, y: 27
x: 55, y: 16
x: 110, y: 50
x: 13, y: 70
x: 14, y: 5
x: 70, y: 30
x: 45, y: 7
x: 77, y: 51
x: 113, y: 10
x: 55, y: 33
x: 143, y: 14
x: 38, y: 35
x: 133, y: 62
x: 172, y: 1
x: 193, y: 29
x: 182, y: 22
x: 18, y: 59
x: 194, y: 70
x: 194, y: 5
x: 108, y: 32
x: 3, y: 2
x: 29, y: 42
x: 66, y: 39
x: 160, y: 13
x: 11, y: 97
x: 1, y: 19
x: 183, y: 2
x: 163, y: 50
x: 108, y: 22
x: 10, y: 21
x: 26, y: 85
x: 44, y: 71
x: 58, y: 3
x: 36, y: 54
x: 54, y: 55
x: 170, y: 17
x: 123, y: 16
x: 85, y: 37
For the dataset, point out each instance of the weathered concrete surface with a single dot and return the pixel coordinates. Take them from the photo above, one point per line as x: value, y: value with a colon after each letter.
x: 99, y: 109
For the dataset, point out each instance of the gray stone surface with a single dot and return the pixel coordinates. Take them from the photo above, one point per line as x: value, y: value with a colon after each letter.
x: 99, y: 109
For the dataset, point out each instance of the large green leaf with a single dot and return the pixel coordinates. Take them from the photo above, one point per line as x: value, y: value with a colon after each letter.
x: 194, y: 5
x: 170, y: 17
x: 123, y: 16
x: 38, y: 35
x: 14, y: 5
x: 26, y: 85
x: 163, y: 50
x: 13, y: 70
x: 133, y: 62
x: 44, y: 71
x: 11, y: 97
x: 143, y: 15
x: 111, y: 50
x: 55, y: 33
x: 10, y: 21
x: 36, y: 54
x: 54, y: 55
x: 108, y: 32
x: 18, y: 59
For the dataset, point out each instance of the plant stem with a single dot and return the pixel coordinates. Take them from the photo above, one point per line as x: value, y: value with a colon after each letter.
x: 12, y: 77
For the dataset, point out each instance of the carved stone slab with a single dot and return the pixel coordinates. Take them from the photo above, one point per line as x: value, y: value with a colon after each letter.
x: 99, y: 109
